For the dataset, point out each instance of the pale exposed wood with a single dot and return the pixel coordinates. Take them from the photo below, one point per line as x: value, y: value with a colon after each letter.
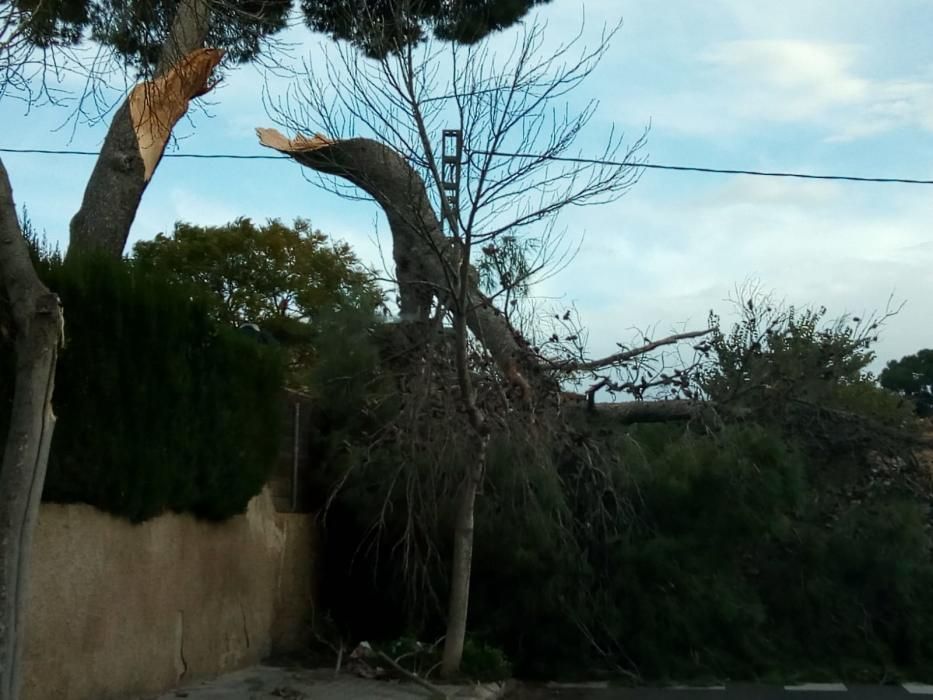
x: 157, y: 105
x: 272, y: 138
x: 130, y: 153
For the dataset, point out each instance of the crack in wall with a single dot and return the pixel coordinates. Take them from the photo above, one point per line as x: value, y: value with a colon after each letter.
x: 245, y: 628
x: 180, y: 662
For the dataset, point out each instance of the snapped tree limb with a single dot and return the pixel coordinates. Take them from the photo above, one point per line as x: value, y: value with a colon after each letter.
x: 140, y: 131
x: 427, y: 264
x: 625, y: 355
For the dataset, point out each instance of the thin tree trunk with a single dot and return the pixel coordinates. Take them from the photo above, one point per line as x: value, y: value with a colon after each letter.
x: 459, y: 603
x: 139, y: 133
x: 458, y: 606
x: 38, y: 326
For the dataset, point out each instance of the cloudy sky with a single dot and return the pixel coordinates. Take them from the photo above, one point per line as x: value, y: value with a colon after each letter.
x: 835, y: 87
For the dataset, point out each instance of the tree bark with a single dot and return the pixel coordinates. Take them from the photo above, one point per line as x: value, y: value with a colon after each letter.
x: 189, y: 30
x: 139, y: 133
x: 458, y: 606
x: 38, y: 326
x: 459, y: 603
x: 662, y: 411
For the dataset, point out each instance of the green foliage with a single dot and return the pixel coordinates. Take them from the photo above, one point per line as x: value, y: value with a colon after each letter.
x: 774, y: 356
x: 136, y: 29
x: 717, y: 556
x: 158, y: 407
x: 667, y: 553
x: 481, y: 661
x: 864, y: 398
x: 388, y: 29
x: 506, y: 267
x: 290, y: 280
x: 257, y: 274
x: 725, y: 549
x: 484, y: 662
x: 804, y: 374
x: 912, y: 376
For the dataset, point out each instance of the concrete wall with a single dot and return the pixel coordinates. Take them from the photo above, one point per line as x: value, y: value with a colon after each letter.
x: 118, y: 610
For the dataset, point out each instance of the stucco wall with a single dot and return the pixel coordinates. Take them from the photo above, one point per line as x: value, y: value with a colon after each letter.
x: 117, y: 610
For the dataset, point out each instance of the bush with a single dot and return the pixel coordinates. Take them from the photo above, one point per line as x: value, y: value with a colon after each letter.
x: 868, y: 400
x: 724, y: 559
x: 912, y: 376
x: 158, y: 407
x: 738, y: 548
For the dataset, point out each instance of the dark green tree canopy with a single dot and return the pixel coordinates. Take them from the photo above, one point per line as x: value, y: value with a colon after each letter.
x: 136, y: 29
x: 290, y: 281
x: 912, y: 376
x: 379, y: 26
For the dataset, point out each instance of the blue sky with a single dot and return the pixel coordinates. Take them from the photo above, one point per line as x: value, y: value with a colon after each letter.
x: 829, y: 87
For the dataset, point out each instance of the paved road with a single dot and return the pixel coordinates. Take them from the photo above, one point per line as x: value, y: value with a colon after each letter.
x: 266, y: 682
x: 732, y: 692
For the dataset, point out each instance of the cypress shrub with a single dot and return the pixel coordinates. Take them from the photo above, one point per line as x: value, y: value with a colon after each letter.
x: 158, y: 407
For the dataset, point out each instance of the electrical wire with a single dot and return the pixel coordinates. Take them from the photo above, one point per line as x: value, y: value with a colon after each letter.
x: 698, y: 169
x: 564, y: 159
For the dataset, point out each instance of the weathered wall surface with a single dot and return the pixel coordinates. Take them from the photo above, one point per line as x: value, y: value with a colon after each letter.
x: 118, y: 610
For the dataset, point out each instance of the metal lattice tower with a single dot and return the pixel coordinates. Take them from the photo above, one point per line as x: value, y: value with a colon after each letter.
x: 451, y: 157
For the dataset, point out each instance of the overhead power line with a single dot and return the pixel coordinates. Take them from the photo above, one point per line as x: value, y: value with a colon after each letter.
x: 563, y: 159
x: 213, y: 156
x: 721, y: 171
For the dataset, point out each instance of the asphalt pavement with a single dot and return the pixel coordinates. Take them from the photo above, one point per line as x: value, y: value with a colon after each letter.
x: 739, y: 691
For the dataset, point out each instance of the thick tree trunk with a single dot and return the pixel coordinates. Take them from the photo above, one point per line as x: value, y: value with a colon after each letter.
x: 427, y: 266
x: 662, y: 411
x: 426, y: 262
x: 189, y: 30
x: 140, y: 131
x: 38, y: 323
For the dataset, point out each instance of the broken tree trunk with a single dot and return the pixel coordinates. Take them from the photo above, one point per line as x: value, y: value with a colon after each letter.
x: 139, y: 132
x: 427, y: 266
x: 427, y: 263
x: 37, y: 321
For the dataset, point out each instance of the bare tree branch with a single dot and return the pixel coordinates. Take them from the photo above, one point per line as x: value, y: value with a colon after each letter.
x: 625, y: 355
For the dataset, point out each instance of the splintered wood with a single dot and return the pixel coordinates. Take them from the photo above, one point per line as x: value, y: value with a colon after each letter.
x: 272, y: 138
x: 157, y: 105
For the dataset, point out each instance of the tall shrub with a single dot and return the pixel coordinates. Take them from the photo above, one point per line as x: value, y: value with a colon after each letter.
x: 159, y: 407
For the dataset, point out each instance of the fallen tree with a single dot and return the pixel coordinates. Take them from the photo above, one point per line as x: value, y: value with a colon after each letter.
x: 504, y: 196
x: 427, y: 264
x: 508, y: 172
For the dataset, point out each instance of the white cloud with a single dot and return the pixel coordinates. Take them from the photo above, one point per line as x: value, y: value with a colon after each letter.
x: 745, y: 84
x: 668, y: 260
x: 788, y: 80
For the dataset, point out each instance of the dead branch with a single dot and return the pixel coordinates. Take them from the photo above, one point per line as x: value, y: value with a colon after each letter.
x: 626, y: 412
x: 625, y: 355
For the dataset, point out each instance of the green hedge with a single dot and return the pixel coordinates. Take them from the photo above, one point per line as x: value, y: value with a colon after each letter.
x: 700, y: 552
x: 158, y: 407
x: 729, y: 556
